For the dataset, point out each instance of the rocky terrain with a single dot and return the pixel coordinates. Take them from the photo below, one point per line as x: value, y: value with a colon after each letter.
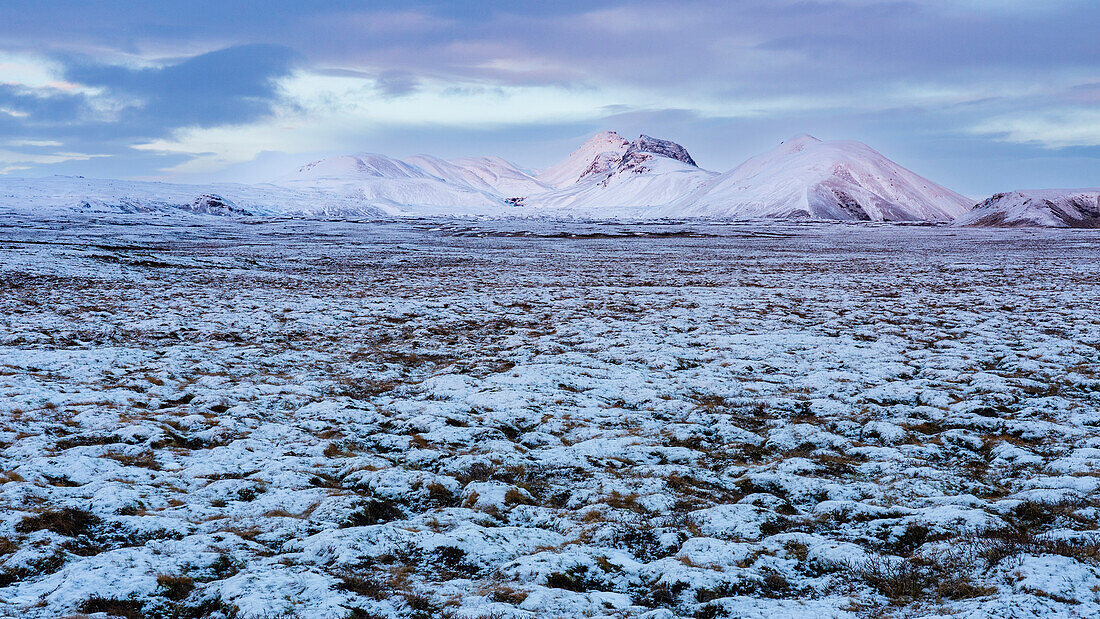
x: 248, y: 417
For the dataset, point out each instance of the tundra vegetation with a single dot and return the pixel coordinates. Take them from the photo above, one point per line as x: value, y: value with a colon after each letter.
x: 524, y: 419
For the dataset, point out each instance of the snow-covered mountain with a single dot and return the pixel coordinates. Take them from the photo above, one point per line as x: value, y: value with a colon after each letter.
x: 608, y: 173
x: 608, y: 176
x: 422, y: 184
x: 491, y: 174
x: 807, y: 178
x: 1053, y: 208
x: 57, y: 195
x: 599, y: 154
x: 392, y: 184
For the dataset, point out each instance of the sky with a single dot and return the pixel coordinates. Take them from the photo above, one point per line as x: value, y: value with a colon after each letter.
x: 978, y: 95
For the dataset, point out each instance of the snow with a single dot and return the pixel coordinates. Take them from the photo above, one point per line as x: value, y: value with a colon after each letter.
x: 806, y: 177
x: 541, y: 418
x: 630, y: 192
x: 490, y: 174
x: 599, y: 154
x: 66, y: 195
x: 382, y: 181
x: 612, y: 177
x: 1053, y: 208
x: 607, y: 177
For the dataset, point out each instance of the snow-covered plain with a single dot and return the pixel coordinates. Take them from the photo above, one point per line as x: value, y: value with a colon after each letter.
x: 210, y: 417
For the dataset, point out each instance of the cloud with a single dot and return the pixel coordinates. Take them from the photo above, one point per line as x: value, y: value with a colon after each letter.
x: 216, y: 83
x: 396, y: 83
x: 231, y: 85
x: 33, y: 143
x: 13, y: 161
x: 83, y: 104
x: 1049, y: 129
x: 44, y: 106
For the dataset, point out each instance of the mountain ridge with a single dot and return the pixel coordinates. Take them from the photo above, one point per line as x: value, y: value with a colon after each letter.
x: 807, y: 178
x: 607, y: 176
x: 1048, y: 208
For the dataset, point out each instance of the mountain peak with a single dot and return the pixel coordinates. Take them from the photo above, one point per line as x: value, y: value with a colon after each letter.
x: 656, y: 146
x: 605, y: 136
x: 801, y: 177
x: 600, y: 153
x: 1052, y: 208
x: 802, y: 138
x: 608, y: 152
x: 798, y: 142
x: 804, y: 177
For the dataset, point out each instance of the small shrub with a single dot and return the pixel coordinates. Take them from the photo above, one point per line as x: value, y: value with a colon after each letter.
x: 249, y: 493
x: 145, y: 459
x: 441, y: 496
x: 70, y: 522
x: 710, y: 611
x: 507, y: 595
x: 175, y: 588
x: 516, y: 497
x: 130, y: 609
x: 996, y: 546
x: 225, y: 566
x: 374, y: 511
x: 478, y: 471
x: 575, y: 578
x: 939, y: 577
x: 422, y: 606
x: 897, y: 580
x: 775, y: 585
x: 727, y: 589
x: 664, y: 595
x: 364, y: 584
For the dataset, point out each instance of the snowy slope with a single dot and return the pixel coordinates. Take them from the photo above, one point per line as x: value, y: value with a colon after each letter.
x: 807, y: 178
x: 1053, y: 208
x: 599, y: 154
x: 655, y: 183
x: 392, y: 184
x: 615, y: 173
x: 608, y: 176
x: 65, y: 194
x: 491, y: 174
x: 61, y: 194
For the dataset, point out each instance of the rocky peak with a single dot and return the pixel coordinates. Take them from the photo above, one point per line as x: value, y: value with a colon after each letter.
x: 214, y: 204
x: 664, y: 148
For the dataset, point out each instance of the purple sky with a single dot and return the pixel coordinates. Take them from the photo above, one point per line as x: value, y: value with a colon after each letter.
x: 980, y: 95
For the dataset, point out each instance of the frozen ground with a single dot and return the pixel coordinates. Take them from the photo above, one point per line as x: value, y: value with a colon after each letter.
x: 521, y: 419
